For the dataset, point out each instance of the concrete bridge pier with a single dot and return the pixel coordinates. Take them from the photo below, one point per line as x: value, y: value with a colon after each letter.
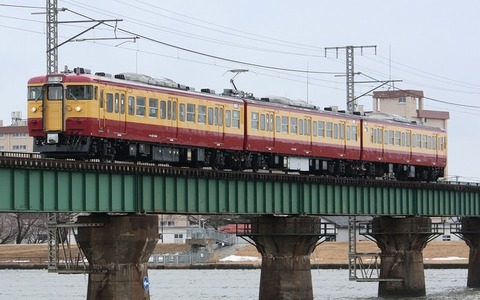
x: 117, y: 253
x: 470, y: 233
x: 401, y: 241
x: 285, y: 244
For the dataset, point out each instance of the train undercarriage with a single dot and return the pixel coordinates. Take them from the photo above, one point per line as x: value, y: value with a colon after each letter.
x: 107, y: 150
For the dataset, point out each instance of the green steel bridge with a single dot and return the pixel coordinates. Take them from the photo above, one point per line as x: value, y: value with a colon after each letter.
x: 29, y: 183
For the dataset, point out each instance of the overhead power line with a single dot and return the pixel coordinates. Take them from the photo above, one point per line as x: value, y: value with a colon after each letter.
x: 22, y: 6
x: 206, y: 54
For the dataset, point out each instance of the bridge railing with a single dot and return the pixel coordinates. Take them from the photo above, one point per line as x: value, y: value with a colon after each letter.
x: 179, y: 259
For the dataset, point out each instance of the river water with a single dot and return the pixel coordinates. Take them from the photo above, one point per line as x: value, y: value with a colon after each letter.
x: 222, y: 284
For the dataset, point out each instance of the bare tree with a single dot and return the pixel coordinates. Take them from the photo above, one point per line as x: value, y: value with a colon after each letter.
x: 216, y: 221
x: 7, y: 229
x: 28, y: 226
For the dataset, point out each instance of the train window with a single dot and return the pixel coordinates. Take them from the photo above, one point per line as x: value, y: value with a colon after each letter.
x: 440, y: 143
x: 210, y: 116
x: 315, y: 128
x: 391, y: 137
x: 328, y: 130
x: 182, y: 112
x: 236, y: 119
x: 228, y: 118
x: 354, y: 133
x: 169, y: 110
x: 434, y: 143
x: 262, y: 122
x: 117, y: 103
x: 100, y: 102
x: 321, y: 129
x: 35, y: 93
x: 414, y: 140
x: 190, y: 112
x: 202, y: 114
x: 385, y: 137
x: 254, y: 121
x: 153, y: 108
x: 424, y: 141
x: 293, y: 125
x: 407, y: 139
x: 131, y: 105
x: 215, y: 116
x: 109, y: 104
x: 349, y: 133
x: 397, y: 138
x: 140, y: 108
x: 122, y: 104
x: 174, y: 110
x: 95, y: 94
x: 220, y: 116
x: 79, y: 92
x: 373, y: 137
x: 403, y: 139
x: 419, y: 141
x: 308, y: 126
x: 284, y: 124
x: 163, y: 109
x: 335, y: 131
x: 55, y: 92
x: 342, y: 131
x: 300, y: 127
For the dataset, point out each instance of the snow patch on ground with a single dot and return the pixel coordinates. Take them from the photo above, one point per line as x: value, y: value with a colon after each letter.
x: 240, y: 258
x: 447, y: 258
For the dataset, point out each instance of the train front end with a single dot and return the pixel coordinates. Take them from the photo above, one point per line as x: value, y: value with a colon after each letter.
x: 58, y: 107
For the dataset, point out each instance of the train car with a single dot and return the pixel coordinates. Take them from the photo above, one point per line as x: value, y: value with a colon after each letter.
x: 403, y: 149
x: 135, y: 117
x: 295, y: 135
x: 130, y: 117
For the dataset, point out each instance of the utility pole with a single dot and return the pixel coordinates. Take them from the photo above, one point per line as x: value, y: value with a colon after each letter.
x: 52, y: 33
x: 52, y: 37
x: 351, y: 100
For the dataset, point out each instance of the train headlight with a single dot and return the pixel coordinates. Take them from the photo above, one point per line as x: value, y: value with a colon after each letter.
x: 78, y: 108
x: 34, y: 109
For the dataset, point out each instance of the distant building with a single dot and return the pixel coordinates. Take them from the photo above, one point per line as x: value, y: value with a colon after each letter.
x: 408, y: 104
x: 15, y: 137
x: 175, y: 228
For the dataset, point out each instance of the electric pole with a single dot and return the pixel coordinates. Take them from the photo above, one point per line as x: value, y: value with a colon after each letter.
x: 52, y: 37
x: 351, y: 100
x: 52, y: 33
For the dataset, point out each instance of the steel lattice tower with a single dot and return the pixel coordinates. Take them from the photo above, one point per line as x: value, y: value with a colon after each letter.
x: 52, y: 37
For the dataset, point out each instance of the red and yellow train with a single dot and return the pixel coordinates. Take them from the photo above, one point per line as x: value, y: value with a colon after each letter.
x: 134, y: 117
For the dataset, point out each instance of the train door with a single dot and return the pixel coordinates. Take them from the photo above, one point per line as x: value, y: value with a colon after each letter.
x: 268, y: 128
x: 119, y: 110
x: 54, y: 108
x: 343, y: 137
x: 307, y: 133
x: 101, y: 110
x: 409, y: 144
x: 218, y: 122
x: 435, y: 146
x: 172, y: 118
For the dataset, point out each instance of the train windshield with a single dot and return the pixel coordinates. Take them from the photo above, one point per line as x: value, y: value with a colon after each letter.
x: 79, y: 92
x: 35, y: 93
x: 55, y: 92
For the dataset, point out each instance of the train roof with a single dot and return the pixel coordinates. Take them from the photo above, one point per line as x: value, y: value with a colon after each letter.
x: 397, y: 120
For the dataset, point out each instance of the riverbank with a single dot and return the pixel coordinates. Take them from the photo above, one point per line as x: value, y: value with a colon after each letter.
x: 334, y: 255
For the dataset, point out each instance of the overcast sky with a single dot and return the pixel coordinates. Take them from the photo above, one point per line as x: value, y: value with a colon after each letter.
x: 429, y: 45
